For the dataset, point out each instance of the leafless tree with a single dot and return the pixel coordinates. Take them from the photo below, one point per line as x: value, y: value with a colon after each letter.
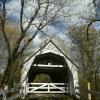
x: 88, y: 55
x: 42, y: 13
x: 93, y: 20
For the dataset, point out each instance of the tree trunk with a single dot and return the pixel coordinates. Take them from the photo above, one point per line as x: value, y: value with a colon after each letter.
x: 9, y: 73
x: 95, y: 81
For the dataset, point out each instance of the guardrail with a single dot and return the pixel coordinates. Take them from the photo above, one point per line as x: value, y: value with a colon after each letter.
x: 47, y: 88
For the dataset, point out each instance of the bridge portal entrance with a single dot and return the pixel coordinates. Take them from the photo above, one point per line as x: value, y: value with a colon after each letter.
x: 49, y: 70
x: 49, y: 73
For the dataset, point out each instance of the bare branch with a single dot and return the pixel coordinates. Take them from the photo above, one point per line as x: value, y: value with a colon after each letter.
x: 3, y: 19
x: 32, y: 19
x: 87, y: 30
x: 94, y: 2
x: 39, y: 28
x: 22, y: 30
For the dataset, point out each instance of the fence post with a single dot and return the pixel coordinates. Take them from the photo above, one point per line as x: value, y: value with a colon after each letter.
x: 48, y: 87
x: 5, y: 93
x: 89, y: 88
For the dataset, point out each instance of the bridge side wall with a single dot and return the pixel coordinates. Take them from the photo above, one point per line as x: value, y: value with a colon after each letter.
x: 74, y: 72
x: 24, y: 75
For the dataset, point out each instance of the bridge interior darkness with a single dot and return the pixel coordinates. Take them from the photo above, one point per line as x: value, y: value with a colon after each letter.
x: 57, y: 74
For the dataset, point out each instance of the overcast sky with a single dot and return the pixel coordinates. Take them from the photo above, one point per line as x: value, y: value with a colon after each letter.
x: 77, y: 8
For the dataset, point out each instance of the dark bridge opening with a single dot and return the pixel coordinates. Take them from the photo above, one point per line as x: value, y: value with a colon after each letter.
x: 50, y: 64
x: 57, y: 75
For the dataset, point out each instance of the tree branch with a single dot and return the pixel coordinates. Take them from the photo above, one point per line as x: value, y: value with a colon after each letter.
x: 3, y: 18
x: 87, y: 30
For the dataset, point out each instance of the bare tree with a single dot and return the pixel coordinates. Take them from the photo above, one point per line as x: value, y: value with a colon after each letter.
x: 96, y: 4
x: 42, y: 13
x: 88, y: 55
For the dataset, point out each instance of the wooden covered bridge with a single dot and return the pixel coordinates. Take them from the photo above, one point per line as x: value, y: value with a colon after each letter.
x: 49, y: 71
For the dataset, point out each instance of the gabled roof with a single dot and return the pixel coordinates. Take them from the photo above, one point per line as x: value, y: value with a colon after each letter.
x: 56, y: 47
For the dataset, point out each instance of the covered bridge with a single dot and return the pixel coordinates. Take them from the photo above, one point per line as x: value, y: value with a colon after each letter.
x: 49, y: 70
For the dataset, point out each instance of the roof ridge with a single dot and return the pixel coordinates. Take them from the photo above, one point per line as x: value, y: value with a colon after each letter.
x: 56, y: 47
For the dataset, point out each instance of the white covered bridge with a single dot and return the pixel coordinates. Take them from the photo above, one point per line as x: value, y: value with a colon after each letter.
x: 52, y: 61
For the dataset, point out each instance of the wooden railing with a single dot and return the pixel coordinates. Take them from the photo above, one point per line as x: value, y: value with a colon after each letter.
x: 47, y: 88
x: 10, y: 94
x: 49, y: 65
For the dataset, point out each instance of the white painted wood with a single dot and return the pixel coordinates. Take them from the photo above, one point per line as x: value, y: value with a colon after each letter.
x: 46, y: 92
x: 47, y: 88
x: 43, y: 65
x: 35, y: 88
x: 47, y: 83
x: 57, y: 87
x: 50, y: 47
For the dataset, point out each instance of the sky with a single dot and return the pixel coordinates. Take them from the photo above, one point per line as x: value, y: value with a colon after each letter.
x: 77, y: 9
